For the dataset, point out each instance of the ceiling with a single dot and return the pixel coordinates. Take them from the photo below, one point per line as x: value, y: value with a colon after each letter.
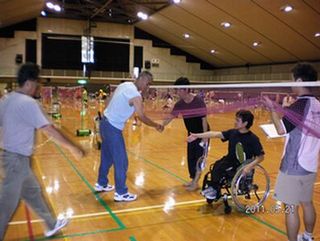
x: 117, y: 11
x: 282, y: 37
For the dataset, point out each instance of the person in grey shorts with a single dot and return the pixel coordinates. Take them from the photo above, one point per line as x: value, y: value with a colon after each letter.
x: 20, y: 116
x: 299, y: 164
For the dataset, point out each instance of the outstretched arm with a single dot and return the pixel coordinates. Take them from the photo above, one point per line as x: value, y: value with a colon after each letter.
x: 208, y: 134
x: 57, y: 135
x: 138, y: 105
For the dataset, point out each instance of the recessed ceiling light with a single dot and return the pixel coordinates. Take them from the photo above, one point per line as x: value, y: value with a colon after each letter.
x: 176, y: 1
x: 43, y: 13
x: 57, y: 8
x: 213, y: 51
x: 256, y: 43
x: 317, y: 35
x: 142, y: 15
x: 50, y: 5
x: 226, y: 24
x: 186, y: 35
x: 287, y: 8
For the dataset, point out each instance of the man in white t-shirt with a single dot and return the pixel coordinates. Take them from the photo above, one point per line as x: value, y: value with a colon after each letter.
x: 20, y: 116
x: 123, y: 103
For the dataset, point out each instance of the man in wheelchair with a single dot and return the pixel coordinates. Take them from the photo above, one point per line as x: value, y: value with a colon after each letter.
x: 242, y: 145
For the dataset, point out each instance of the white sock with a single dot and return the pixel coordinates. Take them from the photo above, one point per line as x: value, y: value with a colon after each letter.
x: 307, y: 235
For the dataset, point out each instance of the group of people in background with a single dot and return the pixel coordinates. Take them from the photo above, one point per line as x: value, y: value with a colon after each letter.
x: 20, y: 116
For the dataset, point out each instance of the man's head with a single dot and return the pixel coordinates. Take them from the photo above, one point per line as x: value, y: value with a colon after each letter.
x: 304, y: 72
x: 244, y: 119
x: 28, y: 77
x: 182, y: 81
x: 143, y: 81
x: 28, y: 71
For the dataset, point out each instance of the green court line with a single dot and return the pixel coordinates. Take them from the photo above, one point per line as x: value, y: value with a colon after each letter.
x: 267, y: 224
x: 97, y: 196
x: 159, y: 167
x: 132, y: 238
x: 101, y: 201
x: 181, y: 179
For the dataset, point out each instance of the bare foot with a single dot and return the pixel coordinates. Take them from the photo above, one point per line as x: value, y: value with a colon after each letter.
x: 188, y: 184
x: 192, y: 187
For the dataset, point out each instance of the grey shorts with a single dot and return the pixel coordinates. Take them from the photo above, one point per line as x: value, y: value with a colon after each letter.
x: 293, y: 190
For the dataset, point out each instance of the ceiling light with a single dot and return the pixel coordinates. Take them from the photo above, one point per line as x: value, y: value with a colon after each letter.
x: 57, y: 8
x: 226, y: 24
x: 256, y: 44
x: 142, y: 15
x: 317, y: 35
x: 50, y: 5
x: 186, y: 35
x: 287, y: 8
x: 43, y: 13
x: 176, y: 1
x: 212, y: 51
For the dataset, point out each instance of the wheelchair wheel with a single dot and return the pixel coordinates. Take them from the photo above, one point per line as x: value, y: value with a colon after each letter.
x: 251, y: 191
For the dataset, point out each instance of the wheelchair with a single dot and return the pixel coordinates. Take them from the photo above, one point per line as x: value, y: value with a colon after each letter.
x: 248, y: 192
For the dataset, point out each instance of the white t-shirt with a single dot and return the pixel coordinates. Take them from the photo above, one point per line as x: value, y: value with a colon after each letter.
x: 119, y: 110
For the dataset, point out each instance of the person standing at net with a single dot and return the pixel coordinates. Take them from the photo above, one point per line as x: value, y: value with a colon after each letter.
x: 124, y: 102
x: 194, y: 112
x: 299, y: 164
x: 20, y: 116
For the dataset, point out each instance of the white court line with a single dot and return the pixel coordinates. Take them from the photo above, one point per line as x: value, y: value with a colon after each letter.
x: 127, y: 210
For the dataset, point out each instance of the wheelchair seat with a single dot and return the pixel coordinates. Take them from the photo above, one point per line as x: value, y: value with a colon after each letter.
x: 243, y: 189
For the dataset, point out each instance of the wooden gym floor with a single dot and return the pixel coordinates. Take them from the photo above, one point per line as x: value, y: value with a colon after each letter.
x: 164, y: 210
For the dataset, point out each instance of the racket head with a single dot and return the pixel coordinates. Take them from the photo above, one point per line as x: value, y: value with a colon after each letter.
x: 241, y: 155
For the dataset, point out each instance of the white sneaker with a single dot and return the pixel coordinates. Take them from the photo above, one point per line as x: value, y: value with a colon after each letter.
x: 106, y: 188
x: 302, y: 237
x: 59, y: 225
x: 209, y: 193
x: 127, y: 197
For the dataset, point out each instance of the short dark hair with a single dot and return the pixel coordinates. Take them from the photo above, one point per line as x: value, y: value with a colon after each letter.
x: 28, y: 71
x: 304, y: 71
x: 246, y: 116
x: 146, y: 74
x: 182, y: 81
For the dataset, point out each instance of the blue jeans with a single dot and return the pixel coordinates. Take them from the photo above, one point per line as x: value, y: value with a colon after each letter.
x: 113, y: 152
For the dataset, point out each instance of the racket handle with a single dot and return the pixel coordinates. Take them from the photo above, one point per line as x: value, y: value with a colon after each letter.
x: 202, y: 144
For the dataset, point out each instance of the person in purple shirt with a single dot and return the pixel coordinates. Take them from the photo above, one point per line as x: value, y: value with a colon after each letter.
x: 194, y: 113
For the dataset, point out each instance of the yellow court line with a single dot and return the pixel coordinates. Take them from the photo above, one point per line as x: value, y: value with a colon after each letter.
x: 128, y: 210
